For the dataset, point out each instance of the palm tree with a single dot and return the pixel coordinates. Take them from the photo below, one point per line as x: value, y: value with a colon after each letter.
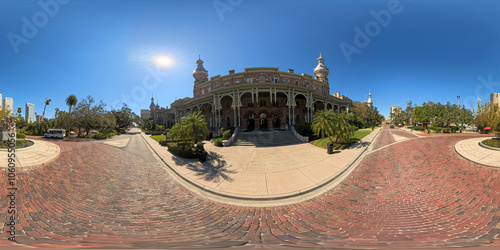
x: 19, y: 110
x: 323, y: 124
x: 47, y: 102
x: 344, y: 130
x: 329, y: 123
x: 192, y: 127
x: 71, y: 101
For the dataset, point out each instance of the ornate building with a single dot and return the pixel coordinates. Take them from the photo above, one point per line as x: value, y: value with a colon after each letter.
x: 159, y: 115
x: 260, y: 98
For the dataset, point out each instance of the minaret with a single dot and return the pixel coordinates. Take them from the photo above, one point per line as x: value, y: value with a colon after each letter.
x: 152, y: 107
x: 200, y: 74
x: 321, y: 71
x: 369, y: 102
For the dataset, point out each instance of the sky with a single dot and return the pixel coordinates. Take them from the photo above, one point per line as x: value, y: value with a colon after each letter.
x: 420, y: 50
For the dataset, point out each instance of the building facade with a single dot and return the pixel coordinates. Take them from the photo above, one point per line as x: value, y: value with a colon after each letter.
x: 260, y: 98
x: 495, y: 98
x: 29, y: 113
x: 8, y: 104
x: 393, y: 109
x: 159, y: 115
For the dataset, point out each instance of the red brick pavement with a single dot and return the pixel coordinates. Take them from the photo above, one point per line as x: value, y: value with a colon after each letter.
x: 414, y: 193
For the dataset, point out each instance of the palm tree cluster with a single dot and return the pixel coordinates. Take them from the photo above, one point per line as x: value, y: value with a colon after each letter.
x: 330, y: 124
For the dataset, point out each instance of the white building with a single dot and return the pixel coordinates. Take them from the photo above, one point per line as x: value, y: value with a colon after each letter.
x: 30, y: 113
x: 8, y: 104
x: 393, y: 109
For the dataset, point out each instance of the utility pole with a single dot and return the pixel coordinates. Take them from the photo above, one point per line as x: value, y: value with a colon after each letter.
x: 458, y: 97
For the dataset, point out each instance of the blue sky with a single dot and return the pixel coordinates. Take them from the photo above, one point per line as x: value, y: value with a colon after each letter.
x: 428, y: 50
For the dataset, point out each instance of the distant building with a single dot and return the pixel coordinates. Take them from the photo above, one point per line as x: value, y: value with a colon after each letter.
x: 0, y: 101
x: 8, y: 104
x: 39, y: 118
x: 159, y: 115
x: 30, y: 113
x: 145, y: 113
x: 495, y: 98
x: 393, y: 109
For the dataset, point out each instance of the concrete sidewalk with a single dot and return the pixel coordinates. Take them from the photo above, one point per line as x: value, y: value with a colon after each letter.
x: 263, y: 173
x: 42, y: 152
x: 470, y: 150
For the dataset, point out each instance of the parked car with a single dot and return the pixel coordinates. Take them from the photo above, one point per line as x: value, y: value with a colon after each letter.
x: 392, y: 125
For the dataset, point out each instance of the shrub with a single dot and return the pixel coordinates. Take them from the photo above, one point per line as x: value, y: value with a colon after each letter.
x: 99, y: 136
x: 163, y: 142
x: 217, y: 141
x: 418, y: 128
x: 182, y: 149
x: 304, y: 129
x: 20, y: 135
x: 157, y: 132
x: 148, y: 132
x: 227, y: 134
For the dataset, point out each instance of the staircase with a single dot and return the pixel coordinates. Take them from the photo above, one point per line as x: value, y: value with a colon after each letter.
x: 266, y: 139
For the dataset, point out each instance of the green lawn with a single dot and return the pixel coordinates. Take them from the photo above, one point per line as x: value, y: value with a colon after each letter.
x: 358, y: 135
x: 492, y: 143
x: 158, y: 137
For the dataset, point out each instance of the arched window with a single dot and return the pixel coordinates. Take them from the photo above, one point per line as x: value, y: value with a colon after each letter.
x: 286, y: 81
x: 262, y: 78
x: 249, y: 80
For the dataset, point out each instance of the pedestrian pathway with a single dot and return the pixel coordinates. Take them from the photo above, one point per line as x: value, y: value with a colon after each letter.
x: 40, y: 153
x: 471, y: 150
x: 250, y: 174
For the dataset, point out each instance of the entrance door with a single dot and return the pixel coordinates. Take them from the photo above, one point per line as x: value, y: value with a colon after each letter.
x: 251, y: 122
x: 263, y: 121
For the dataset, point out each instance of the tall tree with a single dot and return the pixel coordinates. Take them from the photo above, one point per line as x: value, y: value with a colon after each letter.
x: 71, y: 101
x: 47, y: 102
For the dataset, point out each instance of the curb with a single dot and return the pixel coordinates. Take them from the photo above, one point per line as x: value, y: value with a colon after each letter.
x: 273, y: 198
x: 477, y: 162
x: 488, y: 147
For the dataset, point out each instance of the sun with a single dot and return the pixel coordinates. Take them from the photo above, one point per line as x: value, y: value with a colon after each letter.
x: 162, y: 61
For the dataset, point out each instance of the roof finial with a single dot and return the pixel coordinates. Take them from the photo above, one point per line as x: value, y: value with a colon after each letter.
x: 199, y: 57
x: 320, y: 54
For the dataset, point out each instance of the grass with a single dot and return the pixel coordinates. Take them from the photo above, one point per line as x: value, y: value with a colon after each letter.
x: 158, y: 137
x: 358, y: 135
x: 492, y: 143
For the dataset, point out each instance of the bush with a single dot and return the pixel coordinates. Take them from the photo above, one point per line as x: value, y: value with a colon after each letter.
x: 217, y: 141
x: 304, y: 129
x: 418, y: 128
x: 20, y: 135
x: 182, y: 149
x: 157, y: 132
x: 227, y: 134
x: 99, y: 136
x: 148, y: 132
x: 163, y: 142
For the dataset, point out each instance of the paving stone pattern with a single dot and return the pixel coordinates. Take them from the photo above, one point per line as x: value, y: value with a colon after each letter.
x: 417, y: 193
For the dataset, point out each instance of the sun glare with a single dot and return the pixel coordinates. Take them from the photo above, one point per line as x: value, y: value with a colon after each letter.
x: 162, y: 61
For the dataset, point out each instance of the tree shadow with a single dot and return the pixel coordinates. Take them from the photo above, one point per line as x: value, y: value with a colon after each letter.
x: 213, y: 169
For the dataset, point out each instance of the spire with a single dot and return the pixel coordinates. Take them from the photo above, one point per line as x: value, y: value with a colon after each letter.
x: 369, y: 102
x: 200, y: 74
x: 321, y: 71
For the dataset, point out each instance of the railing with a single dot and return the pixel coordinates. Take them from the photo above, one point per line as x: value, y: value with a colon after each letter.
x: 299, y: 136
x: 228, y: 142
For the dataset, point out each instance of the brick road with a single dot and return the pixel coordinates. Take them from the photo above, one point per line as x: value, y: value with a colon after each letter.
x: 414, y: 193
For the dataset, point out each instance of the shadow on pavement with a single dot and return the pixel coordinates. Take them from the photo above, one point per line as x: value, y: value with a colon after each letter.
x: 213, y: 169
